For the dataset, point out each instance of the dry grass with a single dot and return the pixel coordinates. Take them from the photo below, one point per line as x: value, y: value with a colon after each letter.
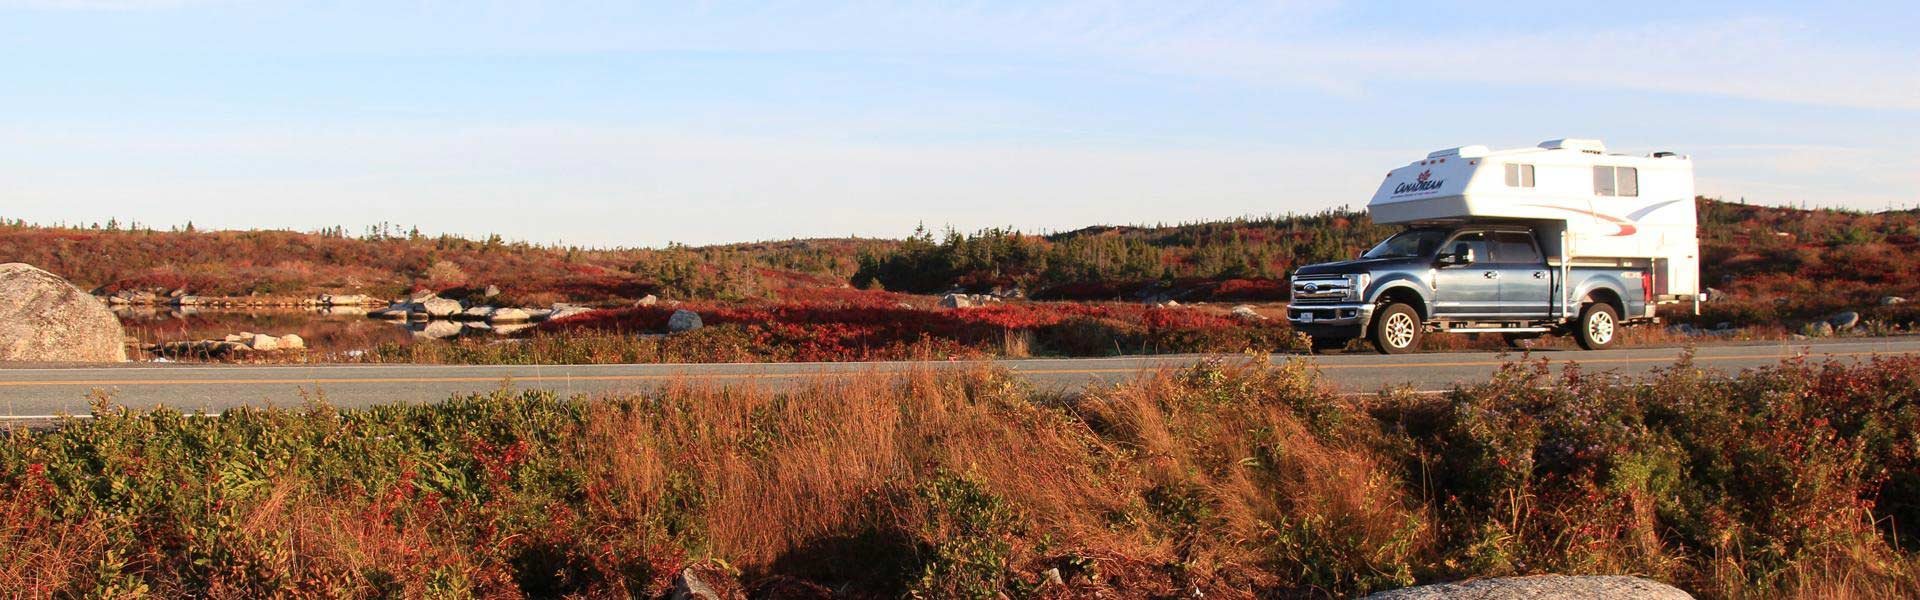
x: 1237, y: 481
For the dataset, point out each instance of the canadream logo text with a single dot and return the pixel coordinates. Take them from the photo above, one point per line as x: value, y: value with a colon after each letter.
x: 1424, y: 183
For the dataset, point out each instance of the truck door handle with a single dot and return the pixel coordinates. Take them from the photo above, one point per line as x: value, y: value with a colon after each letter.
x: 1491, y: 274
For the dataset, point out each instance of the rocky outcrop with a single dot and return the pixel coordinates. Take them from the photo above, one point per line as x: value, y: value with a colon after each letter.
x: 1542, y: 587
x: 44, y: 318
x: 683, y: 320
x: 232, y: 346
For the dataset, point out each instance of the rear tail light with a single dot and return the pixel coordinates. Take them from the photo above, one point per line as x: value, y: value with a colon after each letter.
x: 1646, y: 286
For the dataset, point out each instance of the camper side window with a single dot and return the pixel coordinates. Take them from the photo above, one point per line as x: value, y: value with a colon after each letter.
x: 1616, y: 181
x: 1519, y: 175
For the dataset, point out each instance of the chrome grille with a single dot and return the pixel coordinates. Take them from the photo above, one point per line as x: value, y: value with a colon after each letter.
x: 1320, y: 289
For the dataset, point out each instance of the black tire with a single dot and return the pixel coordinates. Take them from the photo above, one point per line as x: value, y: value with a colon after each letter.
x: 1396, y: 329
x: 1330, y: 345
x: 1598, y: 327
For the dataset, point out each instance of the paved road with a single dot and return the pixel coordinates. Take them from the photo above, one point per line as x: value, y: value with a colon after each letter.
x: 35, y: 393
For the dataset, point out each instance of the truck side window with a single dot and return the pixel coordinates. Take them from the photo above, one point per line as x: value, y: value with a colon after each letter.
x: 1519, y: 175
x: 1513, y: 247
x: 1477, y: 241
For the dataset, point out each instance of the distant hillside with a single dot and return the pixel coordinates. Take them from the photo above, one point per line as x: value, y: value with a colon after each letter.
x: 1813, y: 259
x: 286, y: 263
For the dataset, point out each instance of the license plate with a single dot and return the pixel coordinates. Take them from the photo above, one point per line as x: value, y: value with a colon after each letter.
x: 1306, y: 317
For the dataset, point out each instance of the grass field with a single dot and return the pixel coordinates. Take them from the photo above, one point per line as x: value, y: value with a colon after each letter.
x: 1799, y: 480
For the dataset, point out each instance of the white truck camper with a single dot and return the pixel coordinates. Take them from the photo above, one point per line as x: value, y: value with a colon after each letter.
x: 1522, y: 242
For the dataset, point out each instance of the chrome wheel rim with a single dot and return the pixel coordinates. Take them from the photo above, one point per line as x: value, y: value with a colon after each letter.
x: 1399, y: 330
x: 1600, y: 327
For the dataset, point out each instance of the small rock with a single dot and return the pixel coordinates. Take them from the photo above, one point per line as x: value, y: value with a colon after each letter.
x: 1542, y: 587
x: 1723, y: 325
x: 562, y: 311
x: 1892, y: 300
x: 492, y: 290
x: 1246, y: 313
x: 647, y: 300
x: 706, y: 582
x: 1051, y: 577
x: 956, y: 301
x: 1682, y: 329
x: 478, y: 312
x: 683, y: 320
x: 1818, y: 329
x: 1843, y: 321
x: 904, y: 306
x: 345, y: 299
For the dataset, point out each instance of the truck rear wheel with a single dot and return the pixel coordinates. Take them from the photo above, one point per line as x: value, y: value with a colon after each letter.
x: 1599, y: 326
x: 1396, y: 329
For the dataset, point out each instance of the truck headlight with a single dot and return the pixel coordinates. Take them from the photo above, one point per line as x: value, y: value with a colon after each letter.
x: 1357, y: 286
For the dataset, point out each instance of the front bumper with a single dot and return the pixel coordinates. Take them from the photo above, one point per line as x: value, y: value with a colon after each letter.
x: 1331, y: 320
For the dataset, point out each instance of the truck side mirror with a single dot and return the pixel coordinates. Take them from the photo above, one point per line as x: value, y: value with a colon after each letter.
x: 1462, y: 255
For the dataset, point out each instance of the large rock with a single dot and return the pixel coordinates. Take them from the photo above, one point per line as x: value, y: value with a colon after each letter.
x: 683, y: 320
x: 263, y: 342
x: 509, y: 315
x: 1542, y: 587
x: 44, y: 318
x: 1844, y: 321
x: 437, y: 307
x: 956, y: 301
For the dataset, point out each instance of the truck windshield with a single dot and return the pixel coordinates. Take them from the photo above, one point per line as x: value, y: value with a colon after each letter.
x: 1412, y: 243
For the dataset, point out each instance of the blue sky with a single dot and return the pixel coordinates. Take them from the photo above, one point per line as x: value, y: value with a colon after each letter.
x: 601, y: 123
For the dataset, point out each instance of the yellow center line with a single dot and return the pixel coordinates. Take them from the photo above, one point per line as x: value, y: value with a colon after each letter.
x: 848, y: 372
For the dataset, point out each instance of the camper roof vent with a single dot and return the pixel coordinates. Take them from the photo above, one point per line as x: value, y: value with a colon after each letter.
x: 1587, y: 146
x: 1473, y: 151
x: 1664, y: 154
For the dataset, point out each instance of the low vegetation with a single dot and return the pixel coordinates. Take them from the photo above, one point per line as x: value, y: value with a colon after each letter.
x: 1224, y: 480
x: 854, y: 325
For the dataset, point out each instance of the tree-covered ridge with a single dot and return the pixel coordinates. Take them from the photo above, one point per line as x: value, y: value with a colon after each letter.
x: 1097, y: 261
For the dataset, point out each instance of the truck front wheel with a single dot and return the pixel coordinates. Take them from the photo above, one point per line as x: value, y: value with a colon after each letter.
x: 1599, y: 326
x: 1396, y: 329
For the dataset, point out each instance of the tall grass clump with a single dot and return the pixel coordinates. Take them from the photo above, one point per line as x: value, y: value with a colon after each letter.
x: 1797, y: 480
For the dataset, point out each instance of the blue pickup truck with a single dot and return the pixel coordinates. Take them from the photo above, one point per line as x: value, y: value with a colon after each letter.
x: 1561, y: 239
